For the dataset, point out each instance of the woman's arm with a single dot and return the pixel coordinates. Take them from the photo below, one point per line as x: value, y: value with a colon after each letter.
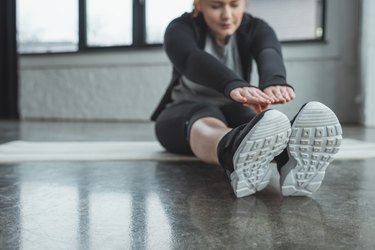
x: 270, y: 63
x: 180, y: 44
x: 267, y: 53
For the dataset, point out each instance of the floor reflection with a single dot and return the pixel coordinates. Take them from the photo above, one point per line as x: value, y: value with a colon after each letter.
x: 265, y: 220
x: 110, y: 220
x: 147, y: 205
x: 158, y: 226
x: 49, y: 212
x: 10, y: 228
x: 366, y: 205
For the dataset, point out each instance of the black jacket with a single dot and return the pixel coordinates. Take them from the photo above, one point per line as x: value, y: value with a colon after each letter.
x: 184, y: 42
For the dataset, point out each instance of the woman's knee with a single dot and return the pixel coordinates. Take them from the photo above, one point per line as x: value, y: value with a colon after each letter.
x: 173, y: 126
x: 171, y: 136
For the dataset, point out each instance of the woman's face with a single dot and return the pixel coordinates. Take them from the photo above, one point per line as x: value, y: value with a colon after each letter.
x: 223, y: 17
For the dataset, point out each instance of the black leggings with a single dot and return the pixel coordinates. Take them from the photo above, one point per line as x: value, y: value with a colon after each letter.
x: 173, y: 125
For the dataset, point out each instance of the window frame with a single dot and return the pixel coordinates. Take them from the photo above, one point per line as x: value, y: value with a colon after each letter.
x: 139, y: 33
x: 322, y: 39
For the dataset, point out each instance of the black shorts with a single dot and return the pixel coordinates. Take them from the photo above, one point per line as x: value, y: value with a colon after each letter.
x: 173, y: 125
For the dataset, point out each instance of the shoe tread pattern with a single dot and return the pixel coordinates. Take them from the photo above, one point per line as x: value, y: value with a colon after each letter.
x: 312, y: 144
x: 251, y: 161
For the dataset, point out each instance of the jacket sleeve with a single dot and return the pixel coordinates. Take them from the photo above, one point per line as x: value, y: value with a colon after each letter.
x: 181, y: 46
x: 268, y: 57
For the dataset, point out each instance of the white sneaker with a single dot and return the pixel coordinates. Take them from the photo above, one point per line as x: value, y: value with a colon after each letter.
x: 246, y: 151
x: 315, y: 139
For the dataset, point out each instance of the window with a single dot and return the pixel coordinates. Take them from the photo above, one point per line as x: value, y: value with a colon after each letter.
x: 158, y: 15
x: 293, y: 20
x: 109, y: 23
x: 49, y: 26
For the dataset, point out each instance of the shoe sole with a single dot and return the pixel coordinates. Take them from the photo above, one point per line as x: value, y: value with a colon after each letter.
x: 262, y: 143
x: 316, y: 137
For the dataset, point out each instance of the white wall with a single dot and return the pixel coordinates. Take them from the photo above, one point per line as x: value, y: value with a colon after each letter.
x: 367, y: 54
x: 126, y: 85
x: 110, y: 86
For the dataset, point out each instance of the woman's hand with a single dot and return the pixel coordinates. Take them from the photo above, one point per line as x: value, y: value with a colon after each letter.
x: 281, y: 94
x: 251, y: 96
x: 259, y: 100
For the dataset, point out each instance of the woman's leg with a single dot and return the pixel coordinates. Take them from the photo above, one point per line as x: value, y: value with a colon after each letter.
x: 236, y: 114
x: 174, y: 128
x: 244, y: 151
x: 207, y: 132
x: 205, y: 135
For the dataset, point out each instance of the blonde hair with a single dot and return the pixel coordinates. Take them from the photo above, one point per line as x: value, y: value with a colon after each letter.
x: 195, y: 10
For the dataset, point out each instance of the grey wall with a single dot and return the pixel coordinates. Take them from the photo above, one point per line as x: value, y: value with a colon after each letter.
x: 113, y: 86
x: 367, y: 63
x: 127, y: 85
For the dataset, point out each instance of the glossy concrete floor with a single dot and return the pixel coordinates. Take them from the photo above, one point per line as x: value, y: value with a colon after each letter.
x: 183, y: 205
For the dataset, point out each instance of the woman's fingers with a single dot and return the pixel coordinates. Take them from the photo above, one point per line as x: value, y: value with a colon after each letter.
x: 255, y: 95
x: 286, y: 94
x: 250, y: 95
x: 271, y: 95
x: 281, y: 94
x: 269, y: 92
x: 264, y: 95
x: 291, y: 93
x: 237, y: 96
